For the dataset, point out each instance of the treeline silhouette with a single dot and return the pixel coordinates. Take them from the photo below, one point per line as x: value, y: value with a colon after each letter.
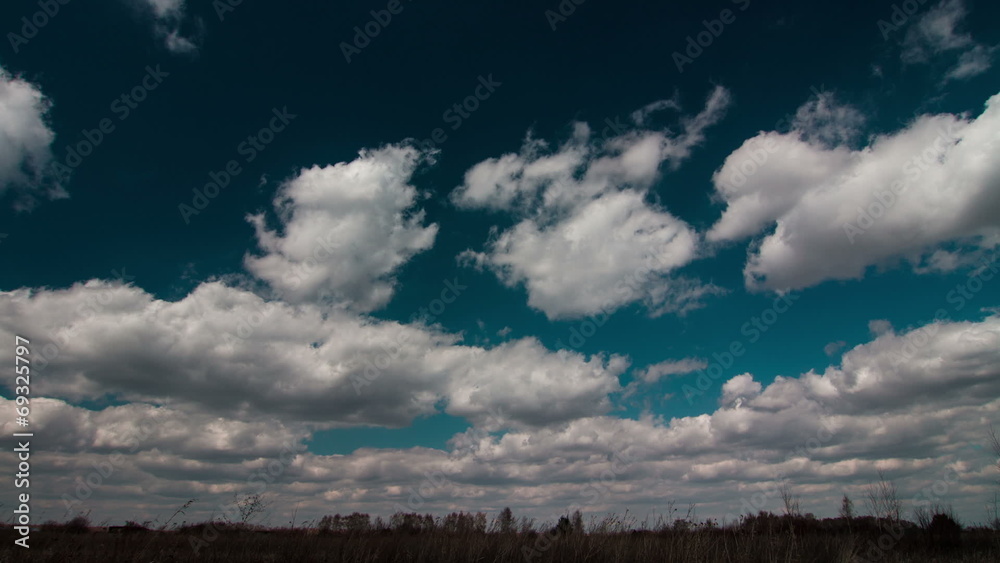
x: 464, y: 536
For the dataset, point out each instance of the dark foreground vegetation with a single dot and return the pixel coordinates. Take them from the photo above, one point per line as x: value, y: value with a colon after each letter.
x: 468, y: 537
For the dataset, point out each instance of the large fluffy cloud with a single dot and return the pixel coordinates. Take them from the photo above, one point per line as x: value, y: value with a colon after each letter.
x: 228, y: 351
x: 588, y: 238
x: 923, y: 194
x: 346, y: 230
x: 25, y: 142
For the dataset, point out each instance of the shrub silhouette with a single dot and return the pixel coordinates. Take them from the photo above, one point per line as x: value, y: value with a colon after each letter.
x: 944, y: 532
x: 78, y: 525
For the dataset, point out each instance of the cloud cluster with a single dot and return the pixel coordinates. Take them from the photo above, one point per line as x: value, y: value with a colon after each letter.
x: 936, y: 34
x: 927, y: 194
x: 212, y: 392
x: 908, y: 402
x: 589, y: 238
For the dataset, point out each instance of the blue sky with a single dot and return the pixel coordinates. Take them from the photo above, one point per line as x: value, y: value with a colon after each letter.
x: 501, y: 242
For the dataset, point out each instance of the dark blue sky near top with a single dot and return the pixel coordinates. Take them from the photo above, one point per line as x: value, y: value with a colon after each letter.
x: 602, y: 62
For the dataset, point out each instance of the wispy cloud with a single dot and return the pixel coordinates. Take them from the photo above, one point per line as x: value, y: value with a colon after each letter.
x: 937, y: 33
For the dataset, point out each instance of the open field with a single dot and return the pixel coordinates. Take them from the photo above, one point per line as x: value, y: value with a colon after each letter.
x: 758, y: 539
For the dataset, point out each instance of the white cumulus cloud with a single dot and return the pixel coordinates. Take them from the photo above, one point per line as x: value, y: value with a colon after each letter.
x: 928, y: 194
x: 346, y: 229
x: 25, y: 143
x: 589, y: 239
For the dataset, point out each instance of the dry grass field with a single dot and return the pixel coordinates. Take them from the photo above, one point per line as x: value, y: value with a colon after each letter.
x: 466, y: 538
